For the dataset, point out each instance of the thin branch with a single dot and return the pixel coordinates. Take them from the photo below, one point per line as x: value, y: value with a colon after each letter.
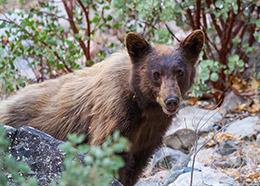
x: 196, y: 142
x: 172, y: 33
x: 229, y: 30
x: 74, y: 28
x: 55, y: 15
x: 213, y: 18
x: 192, y: 23
x: 213, y: 44
x: 198, y: 10
x: 244, y: 94
x: 88, y: 27
x: 41, y: 69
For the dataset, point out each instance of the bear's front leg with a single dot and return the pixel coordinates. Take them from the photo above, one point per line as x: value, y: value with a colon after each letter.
x: 134, y: 165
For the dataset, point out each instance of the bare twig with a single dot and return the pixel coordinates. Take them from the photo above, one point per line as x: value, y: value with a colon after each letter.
x: 213, y: 18
x: 74, y: 28
x: 198, y: 10
x: 172, y: 32
x: 197, y: 138
x: 88, y: 32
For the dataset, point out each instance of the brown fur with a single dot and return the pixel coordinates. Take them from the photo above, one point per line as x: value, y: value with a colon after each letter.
x: 121, y: 93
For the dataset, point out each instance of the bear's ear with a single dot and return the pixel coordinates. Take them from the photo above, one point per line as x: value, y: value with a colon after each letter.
x: 192, y: 45
x: 137, y: 46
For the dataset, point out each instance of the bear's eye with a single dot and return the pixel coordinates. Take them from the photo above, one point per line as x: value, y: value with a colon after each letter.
x: 180, y: 73
x: 156, y: 75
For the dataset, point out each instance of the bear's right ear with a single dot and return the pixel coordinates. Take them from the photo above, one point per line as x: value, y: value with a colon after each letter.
x: 137, y: 46
x: 192, y: 45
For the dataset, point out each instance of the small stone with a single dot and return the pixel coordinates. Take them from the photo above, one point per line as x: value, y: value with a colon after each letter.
x: 231, y: 101
x: 167, y: 158
x: 231, y: 162
x: 182, y: 140
x: 227, y: 147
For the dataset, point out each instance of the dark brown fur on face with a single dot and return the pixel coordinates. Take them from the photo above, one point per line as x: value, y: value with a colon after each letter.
x: 136, y: 92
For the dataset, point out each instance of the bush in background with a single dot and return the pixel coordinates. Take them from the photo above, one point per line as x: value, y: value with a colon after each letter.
x: 50, y: 49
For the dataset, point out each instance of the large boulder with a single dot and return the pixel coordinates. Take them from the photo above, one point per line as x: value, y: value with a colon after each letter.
x: 41, y: 152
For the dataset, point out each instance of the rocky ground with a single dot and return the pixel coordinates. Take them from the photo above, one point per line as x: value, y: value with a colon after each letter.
x: 219, y: 147
x: 223, y: 145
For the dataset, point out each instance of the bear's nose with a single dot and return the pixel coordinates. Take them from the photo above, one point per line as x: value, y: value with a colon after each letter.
x: 171, y: 102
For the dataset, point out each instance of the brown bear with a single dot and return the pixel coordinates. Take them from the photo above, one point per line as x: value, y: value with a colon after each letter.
x: 136, y: 91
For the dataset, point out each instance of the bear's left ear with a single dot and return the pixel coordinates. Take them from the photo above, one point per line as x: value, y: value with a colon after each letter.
x: 192, y: 45
x: 137, y: 46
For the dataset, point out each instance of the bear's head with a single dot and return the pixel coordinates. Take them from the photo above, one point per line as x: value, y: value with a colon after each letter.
x: 163, y: 74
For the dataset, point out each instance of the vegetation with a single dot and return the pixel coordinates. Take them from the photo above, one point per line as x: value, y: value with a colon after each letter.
x: 53, y: 42
x: 46, y: 41
x: 10, y: 169
x: 100, y: 164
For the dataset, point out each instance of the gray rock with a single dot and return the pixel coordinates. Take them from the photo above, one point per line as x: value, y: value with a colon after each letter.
x: 231, y: 101
x: 40, y: 151
x: 146, y: 183
x: 227, y: 147
x: 158, y: 177
x: 10, y: 132
x: 231, y: 162
x: 192, y: 117
x: 181, y: 140
x: 258, y: 140
x: 206, y: 177
x: 245, y: 127
x: 204, y: 154
x: 176, y: 171
x: 167, y: 158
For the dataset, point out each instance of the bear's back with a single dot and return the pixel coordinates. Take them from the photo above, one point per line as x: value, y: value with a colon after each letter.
x: 71, y: 102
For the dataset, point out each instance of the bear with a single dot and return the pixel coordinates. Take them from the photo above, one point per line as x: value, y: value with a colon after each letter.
x: 136, y: 91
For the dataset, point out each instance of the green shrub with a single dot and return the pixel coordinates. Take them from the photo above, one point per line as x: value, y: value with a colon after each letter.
x: 100, y: 165
x: 231, y: 28
x: 97, y: 165
x: 37, y: 38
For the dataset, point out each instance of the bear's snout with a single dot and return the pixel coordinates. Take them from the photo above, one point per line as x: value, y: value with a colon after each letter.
x: 172, y: 103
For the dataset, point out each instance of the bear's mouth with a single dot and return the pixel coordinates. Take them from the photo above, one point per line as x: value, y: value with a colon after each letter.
x: 165, y: 109
x: 169, y: 112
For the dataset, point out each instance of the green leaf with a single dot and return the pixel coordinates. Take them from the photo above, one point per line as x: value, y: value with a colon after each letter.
x: 235, y: 7
x: 2, y: 25
x: 219, y: 4
x: 233, y: 58
x: 95, y: 20
x: 204, y: 75
x: 240, y: 63
x: 214, y: 77
x: 4, y: 2
x: 257, y: 22
x: 237, y: 40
